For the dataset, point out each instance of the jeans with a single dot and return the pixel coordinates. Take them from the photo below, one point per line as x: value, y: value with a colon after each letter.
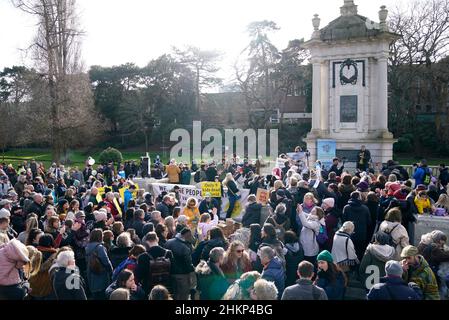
x: 232, y: 200
x: 182, y: 285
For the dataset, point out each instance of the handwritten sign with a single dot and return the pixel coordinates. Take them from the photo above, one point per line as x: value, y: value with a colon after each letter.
x: 214, y: 188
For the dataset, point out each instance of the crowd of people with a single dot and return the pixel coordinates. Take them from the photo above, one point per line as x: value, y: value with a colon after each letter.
x: 63, y: 239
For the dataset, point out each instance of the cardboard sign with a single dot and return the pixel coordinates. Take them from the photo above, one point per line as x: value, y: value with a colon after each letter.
x: 262, y: 196
x: 214, y: 188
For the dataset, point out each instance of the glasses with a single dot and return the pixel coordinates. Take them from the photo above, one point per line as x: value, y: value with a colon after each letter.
x: 239, y: 251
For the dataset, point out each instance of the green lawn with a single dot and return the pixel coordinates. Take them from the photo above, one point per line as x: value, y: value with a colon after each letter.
x: 432, y: 161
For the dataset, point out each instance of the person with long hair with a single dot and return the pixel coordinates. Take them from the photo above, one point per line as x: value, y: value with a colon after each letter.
x: 236, y: 261
x: 311, y: 225
x: 74, y: 208
x: 125, y: 280
x: 192, y: 213
x: 232, y: 193
x: 330, y: 277
x: 169, y: 222
x: 30, y: 223
x: 392, y: 225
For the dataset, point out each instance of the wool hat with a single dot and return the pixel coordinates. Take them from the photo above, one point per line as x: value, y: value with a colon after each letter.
x: 393, y: 268
x: 4, y: 213
x: 330, y: 202
x: 421, y: 187
x: 409, y: 251
x: 363, y: 186
x: 80, y: 215
x: 325, y: 256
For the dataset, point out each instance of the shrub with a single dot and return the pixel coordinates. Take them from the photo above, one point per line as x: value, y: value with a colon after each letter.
x: 110, y: 154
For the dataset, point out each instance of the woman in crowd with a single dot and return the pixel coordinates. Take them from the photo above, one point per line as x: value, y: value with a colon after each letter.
x: 171, y: 227
x: 343, y: 251
x: 236, y: 261
x: 294, y: 255
x: 232, y: 193
x: 192, y: 213
x: 345, y: 188
x: 125, y: 280
x: 264, y: 290
x: 392, y: 226
x: 330, y: 277
x: 31, y: 223
x: 121, y: 251
x: 206, y: 223
x: 311, y: 227
x: 159, y: 293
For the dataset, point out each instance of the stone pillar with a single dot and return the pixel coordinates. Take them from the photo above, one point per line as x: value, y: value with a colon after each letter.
x: 324, y: 96
x: 382, y: 110
x: 316, y: 96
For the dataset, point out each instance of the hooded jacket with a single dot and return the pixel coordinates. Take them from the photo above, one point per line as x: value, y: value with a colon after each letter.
x: 252, y: 214
x: 212, y: 282
x: 275, y: 272
x: 376, y: 255
x: 295, y: 254
x: 13, y: 256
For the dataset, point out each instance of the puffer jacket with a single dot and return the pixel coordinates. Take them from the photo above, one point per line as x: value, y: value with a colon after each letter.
x: 311, y: 227
x: 212, y: 282
x: 275, y: 272
x: 13, y: 256
x: 399, y: 235
x: 376, y: 255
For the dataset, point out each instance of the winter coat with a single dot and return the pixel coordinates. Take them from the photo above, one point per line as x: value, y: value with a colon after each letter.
x: 212, y: 282
x: 334, y: 290
x: 304, y: 290
x: 98, y: 282
x: 393, y: 288
x: 433, y: 254
x: 419, y: 175
x: 13, y: 256
x: 203, y: 249
x: 118, y: 255
x: 399, y: 235
x: 444, y: 176
x: 275, y: 272
x: 331, y: 220
x: 311, y: 227
x: 343, y: 250
x: 205, y: 206
x: 182, y: 253
x: 173, y: 172
x: 345, y: 191
x: 252, y: 214
x: 422, y: 204
x: 60, y: 278
x: 35, y: 208
x: 376, y: 255
x: 193, y: 217
x: 139, y: 294
x: 295, y: 255
x: 359, y: 214
x: 163, y: 209
x: 186, y: 176
x: 424, y: 277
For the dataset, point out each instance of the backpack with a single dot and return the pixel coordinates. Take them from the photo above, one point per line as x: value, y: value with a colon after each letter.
x: 390, y: 238
x: 95, y: 265
x: 160, y: 270
x: 197, y: 177
x: 122, y: 266
x: 322, y: 236
x: 427, y: 177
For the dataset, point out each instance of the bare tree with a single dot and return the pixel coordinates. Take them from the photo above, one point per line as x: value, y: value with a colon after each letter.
x: 56, y: 50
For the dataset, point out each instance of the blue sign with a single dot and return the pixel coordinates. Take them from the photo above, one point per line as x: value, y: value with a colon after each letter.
x: 326, y: 152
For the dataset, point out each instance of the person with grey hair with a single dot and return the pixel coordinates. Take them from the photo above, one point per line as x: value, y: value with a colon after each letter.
x: 273, y: 268
x: 120, y: 252
x: 120, y: 294
x: 280, y: 220
x: 264, y: 290
x: 65, y: 277
x: 139, y: 222
x: 392, y: 287
x: 343, y: 251
x: 36, y: 206
x: 432, y: 249
x: 212, y: 282
x: 181, y: 223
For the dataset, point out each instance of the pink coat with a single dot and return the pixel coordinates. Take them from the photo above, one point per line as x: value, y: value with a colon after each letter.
x: 13, y: 256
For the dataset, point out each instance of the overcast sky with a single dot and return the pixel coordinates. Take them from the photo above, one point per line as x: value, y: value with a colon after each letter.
x: 120, y: 31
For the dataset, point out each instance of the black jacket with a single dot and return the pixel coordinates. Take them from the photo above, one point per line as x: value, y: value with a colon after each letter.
x: 164, y: 210
x: 118, y: 255
x: 444, y: 176
x: 35, y: 208
x: 143, y: 270
x: 359, y: 214
x: 211, y: 173
x: 182, y: 254
x: 60, y: 280
x: 252, y: 214
x: 203, y: 249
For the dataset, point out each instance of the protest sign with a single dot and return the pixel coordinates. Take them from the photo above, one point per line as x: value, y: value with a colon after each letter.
x: 214, y: 188
x: 262, y: 196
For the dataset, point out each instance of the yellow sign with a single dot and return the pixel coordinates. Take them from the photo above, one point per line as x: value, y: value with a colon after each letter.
x: 214, y: 188
x: 122, y: 192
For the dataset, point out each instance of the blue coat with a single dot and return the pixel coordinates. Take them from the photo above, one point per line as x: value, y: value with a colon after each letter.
x: 275, y: 272
x: 98, y: 282
x: 334, y: 290
x: 419, y: 175
x: 393, y: 288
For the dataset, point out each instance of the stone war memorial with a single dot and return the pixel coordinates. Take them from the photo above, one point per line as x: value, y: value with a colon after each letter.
x: 350, y: 85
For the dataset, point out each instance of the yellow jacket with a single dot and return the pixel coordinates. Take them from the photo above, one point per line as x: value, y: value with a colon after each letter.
x: 193, y: 216
x: 422, y: 204
x: 173, y: 172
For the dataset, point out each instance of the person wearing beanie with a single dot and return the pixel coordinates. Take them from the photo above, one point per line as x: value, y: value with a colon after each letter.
x: 330, y: 277
x: 331, y: 220
x: 417, y: 270
x: 393, y: 287
x: 376, y: 254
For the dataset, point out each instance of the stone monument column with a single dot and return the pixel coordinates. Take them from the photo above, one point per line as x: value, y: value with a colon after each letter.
x: 382, y: 112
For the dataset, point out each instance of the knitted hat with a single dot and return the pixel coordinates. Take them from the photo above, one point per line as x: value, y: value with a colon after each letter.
x: 409, y: 251
x: 363, y: 186
x: 393, y: 268
x: 329, y: 202
x: 325, y: 256
x: 100, y: 216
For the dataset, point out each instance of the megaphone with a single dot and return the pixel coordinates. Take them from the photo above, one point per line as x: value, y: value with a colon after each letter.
x: 90, y: 161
